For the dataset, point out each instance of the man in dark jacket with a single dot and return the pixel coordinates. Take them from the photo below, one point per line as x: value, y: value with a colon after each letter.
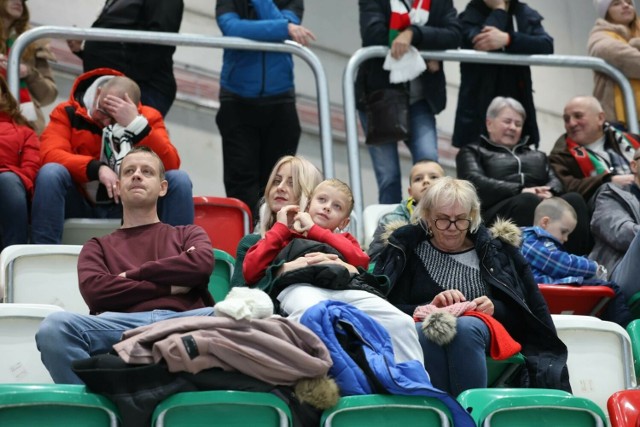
x: 506, y: 27
x: 591, y: 153
x: 150, y: 66
x: 616, y: 226
x: 257, y: 119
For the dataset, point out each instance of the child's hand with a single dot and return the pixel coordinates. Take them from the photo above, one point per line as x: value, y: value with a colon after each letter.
x: 302, y: 222
x: 287, y: 214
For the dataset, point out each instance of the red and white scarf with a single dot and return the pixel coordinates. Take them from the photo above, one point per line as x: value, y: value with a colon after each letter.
x: 402, y: 17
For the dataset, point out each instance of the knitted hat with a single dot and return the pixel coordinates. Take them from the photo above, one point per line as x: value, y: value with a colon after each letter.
x: 245, y: 303
x: 602, y: 6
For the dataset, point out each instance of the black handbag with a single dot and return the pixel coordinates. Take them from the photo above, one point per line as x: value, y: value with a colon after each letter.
x: 387, y: 113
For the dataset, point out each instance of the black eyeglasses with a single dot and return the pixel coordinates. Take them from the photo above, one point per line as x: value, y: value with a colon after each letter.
x: 444, y: 223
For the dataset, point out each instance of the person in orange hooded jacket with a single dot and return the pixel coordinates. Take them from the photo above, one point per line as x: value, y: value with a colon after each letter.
x: 81, y: 148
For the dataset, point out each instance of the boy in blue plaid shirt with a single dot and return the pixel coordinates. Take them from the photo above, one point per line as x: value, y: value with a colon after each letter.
x: 542, y: 244
x: 554, y: 220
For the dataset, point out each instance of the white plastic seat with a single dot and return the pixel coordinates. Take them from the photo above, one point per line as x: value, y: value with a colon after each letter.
x: 600, y: 357
x: 371, y: 217
x: 78, y: 230
x: 20, y: 361
x: 42, y: 274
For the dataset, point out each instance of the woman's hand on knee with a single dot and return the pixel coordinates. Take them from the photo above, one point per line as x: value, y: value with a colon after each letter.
x: 447, y: 298
x: 484, y: 305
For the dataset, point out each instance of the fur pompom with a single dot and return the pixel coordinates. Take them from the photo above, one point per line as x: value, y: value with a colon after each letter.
x: 321, y: 392
x: 506, y: 231
x: 440, y: 327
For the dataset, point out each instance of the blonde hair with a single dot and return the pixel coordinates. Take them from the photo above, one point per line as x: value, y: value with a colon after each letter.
x: 554, y: 208
x: 342, y: 187
x: 447, y: 191
x: 305, y: 178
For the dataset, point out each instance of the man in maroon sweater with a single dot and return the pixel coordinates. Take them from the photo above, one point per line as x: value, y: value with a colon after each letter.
x: 144, y: 272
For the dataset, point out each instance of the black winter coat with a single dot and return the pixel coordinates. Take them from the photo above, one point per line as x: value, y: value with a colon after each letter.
x: 499, y: 172
x: 441, y: 32
x: 144, y: 63
x: 518, y: 303
x: 480, y: 83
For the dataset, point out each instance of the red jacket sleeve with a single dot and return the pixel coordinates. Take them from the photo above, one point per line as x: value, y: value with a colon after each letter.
x: 72, y: 148
x: 344, y: 243
x: 262, y: 254
x: 29, y: 157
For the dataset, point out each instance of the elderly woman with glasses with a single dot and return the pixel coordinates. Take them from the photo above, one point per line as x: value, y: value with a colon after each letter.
x: 449, y: 259
x: 512, y: 177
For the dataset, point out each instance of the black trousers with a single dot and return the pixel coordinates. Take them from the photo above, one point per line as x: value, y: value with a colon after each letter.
x: 520, y: 209
x: 254, y: 137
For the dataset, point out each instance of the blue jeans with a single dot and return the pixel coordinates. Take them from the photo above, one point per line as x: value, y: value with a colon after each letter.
x: 64, y: 337
x: 14, y: 214
x: 386, y: 162
x: 57, y: 198
x: 461, y: 364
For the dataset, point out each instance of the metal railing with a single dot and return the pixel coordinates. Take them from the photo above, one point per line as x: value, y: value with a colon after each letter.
x: 461, y: 55
x: 174, y: 39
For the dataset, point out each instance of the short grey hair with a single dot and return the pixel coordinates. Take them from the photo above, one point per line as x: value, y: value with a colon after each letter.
x: 447, y: 191
x: 499, y: 103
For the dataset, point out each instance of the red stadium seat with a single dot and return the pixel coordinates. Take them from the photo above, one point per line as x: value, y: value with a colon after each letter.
x: 225, y: 219
x: 576, y: 299
x: 624, y: 408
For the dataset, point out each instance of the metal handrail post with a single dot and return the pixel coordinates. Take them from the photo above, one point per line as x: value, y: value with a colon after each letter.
x: 175, y: 39
x: 460, y: 55
x: 351, y: 129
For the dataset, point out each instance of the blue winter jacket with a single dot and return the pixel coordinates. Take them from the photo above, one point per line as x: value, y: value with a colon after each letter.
x: 331, y: 319
x: 257, y: 74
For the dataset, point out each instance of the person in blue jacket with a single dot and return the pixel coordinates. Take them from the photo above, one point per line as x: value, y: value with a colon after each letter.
x: 257, y: 118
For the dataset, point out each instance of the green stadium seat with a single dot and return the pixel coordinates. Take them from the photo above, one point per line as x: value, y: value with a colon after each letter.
x: 378, y: 410
x: 222, y: 408
x: 220, y: 280
x: 530, y: 407
x: 54, y: 405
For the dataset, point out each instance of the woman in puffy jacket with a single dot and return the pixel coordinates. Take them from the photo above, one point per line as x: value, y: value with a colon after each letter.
x: 19, y: 164
x: 512, y: 177
x: 615, y: 37
x: 37, y: 87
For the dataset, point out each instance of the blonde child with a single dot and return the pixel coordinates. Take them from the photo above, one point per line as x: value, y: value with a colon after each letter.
x: 328, y: 213
x: 421, y: 176
x: 542, y: 244
x: 554, y: 220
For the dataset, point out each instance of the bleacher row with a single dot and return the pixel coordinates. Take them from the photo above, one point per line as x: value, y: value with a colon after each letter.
x: 36, y: 280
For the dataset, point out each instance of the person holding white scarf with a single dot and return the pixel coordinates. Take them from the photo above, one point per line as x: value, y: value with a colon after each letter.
x: 406, y: 27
